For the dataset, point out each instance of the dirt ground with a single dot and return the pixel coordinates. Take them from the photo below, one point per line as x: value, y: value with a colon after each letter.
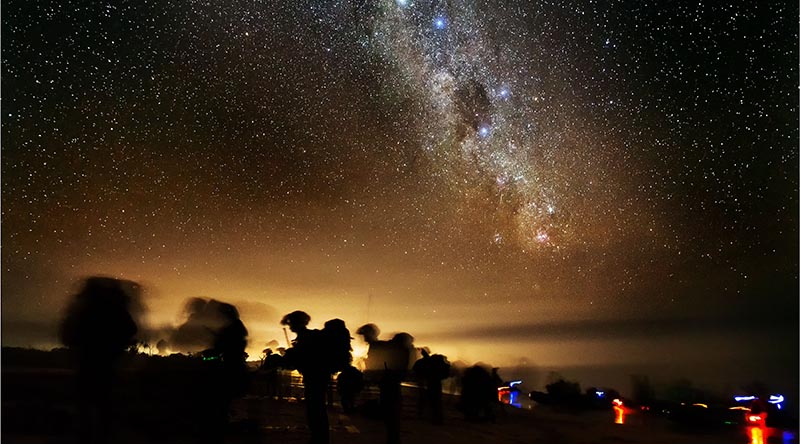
x: 282, y: 422
x: 38, y: 408
x: 259, y: 420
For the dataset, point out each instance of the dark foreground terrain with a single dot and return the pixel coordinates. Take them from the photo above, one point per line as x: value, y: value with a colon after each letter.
x: 168, y: 403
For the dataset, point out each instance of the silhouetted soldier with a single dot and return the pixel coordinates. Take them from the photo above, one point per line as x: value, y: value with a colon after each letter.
x: 398, y: 359
x: 387, y: 363
x: 376, y: 353
x: 306, y: 356
x: 478, y: 394
x: 272, y: 363
x: 230, y: 341
x: 98, y: 327
x: 430, y: 370
x: 349, y: 383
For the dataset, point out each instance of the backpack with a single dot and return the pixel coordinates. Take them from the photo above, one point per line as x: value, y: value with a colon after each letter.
x: 337, y: 350
x: 439, y: 367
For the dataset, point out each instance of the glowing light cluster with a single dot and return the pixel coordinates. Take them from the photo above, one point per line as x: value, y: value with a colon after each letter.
x: 619, y: 411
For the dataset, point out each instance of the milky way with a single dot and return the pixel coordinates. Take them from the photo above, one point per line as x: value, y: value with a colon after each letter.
x: 488, y: 119
x: 418, y: 164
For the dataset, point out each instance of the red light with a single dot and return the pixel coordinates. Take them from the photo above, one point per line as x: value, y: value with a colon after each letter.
x: 754, y: 418
x: 503, y: 391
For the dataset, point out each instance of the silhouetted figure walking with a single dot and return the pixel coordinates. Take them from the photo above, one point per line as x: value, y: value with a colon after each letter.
x: 398, y: 359
x: 478, y: 394
x: 430, y: 370
x: 271, y: 366
x: 374, y: 363
x: 98, y: 327
x: 229, y: 367
x: 307, y: 355
x: 386, y: 364
x: 215, y: 328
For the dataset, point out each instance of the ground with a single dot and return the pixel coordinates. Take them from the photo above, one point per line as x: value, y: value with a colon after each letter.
x: 162, y: 407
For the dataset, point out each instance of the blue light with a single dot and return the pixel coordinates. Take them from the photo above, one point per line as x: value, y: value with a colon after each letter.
x: 744, y: 398
x: 440, y: 23
x: 775, y: 399
x: 513, y: 383
x: 504, y: 93
x: 484, y: 131
x: 512, y: 400
x: 600, y: 394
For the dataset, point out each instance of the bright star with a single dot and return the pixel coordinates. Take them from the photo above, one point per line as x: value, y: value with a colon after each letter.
x: 484, y: 131
x: 440, y: 23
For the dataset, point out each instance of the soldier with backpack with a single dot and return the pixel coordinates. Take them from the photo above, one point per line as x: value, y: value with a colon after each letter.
x: 98, y: 328
x: 430, y: 370
x: 316, y: 354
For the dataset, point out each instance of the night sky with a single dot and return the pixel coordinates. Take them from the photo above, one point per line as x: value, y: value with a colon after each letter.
x: 543, y: 183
